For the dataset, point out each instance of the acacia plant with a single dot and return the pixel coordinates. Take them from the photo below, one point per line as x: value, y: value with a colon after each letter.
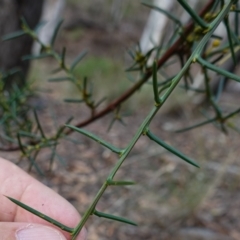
x: 194, y: 43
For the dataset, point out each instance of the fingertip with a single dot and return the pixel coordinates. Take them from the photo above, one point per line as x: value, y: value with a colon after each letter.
x: 38, y: 232
x: 82, y: 235
x: 28, y: 231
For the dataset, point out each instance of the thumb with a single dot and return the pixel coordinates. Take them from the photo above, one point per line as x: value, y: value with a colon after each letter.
x: 28, y: 231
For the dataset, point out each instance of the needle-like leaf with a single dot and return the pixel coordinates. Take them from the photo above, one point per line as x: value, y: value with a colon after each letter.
x: 78, y: 59
x: 120, y: 183
x: 155, y: 84
x: 34, y: 57
x: 38, y: 123
x: 115, y: 218
x: 56, y: 31
x: 219, y: 70
x: 167, y: 13
x: 97, y: 139
x: 41, y: 215
x: 13, y: 35
x: 171, y: 149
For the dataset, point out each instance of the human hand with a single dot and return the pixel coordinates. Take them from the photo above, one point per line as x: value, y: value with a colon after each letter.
x: 19, y: 224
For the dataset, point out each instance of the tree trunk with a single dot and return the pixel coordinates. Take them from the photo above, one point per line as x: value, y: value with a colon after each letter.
x: 12, y: 51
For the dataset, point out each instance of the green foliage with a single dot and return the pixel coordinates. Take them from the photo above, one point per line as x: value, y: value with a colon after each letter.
x: 191, y: 44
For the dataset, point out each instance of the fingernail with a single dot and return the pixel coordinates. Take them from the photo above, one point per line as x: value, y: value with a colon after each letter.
x: 38, y: 232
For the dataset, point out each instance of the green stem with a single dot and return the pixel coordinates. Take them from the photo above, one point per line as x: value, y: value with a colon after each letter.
x: 143, y: 128
x: 89, y: 211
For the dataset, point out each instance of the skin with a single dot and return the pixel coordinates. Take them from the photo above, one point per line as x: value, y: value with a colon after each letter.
x: 17, y: 184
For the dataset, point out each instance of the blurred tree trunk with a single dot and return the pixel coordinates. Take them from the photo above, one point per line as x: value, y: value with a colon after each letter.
x: 11, y: 51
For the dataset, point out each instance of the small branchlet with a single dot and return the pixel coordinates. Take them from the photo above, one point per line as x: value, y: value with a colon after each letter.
x: 195, y: 47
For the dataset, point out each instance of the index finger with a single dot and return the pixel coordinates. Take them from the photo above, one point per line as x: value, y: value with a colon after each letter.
x: 17, y: 184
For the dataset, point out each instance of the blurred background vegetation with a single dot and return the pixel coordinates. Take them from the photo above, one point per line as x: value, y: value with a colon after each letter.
x: 171, y: 200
